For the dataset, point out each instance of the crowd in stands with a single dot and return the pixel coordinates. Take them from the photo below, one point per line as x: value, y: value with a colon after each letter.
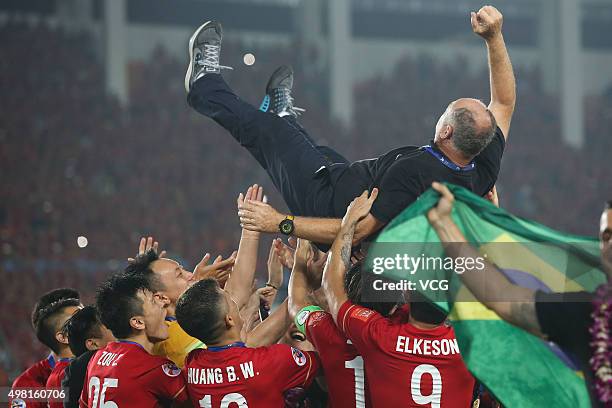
x: 75, y: 162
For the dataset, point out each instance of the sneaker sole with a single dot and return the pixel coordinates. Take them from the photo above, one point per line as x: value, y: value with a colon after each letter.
x: 191, y: 43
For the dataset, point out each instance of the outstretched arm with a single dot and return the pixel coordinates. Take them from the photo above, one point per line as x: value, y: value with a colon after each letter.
x: 488, y: 284
x: 487, y: 23
x: 270, y: 330
x: 299, y: 287
x: 261, y: 217
x: 339, y: 257
x: 240, y: 282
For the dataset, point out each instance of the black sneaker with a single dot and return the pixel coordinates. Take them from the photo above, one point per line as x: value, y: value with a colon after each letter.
x: 204, y: 52
x: 278, y: 97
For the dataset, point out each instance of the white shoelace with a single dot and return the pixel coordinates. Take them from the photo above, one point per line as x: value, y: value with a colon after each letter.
x: 290, y: 106
x: 298, y: 111
x: 211, y: 57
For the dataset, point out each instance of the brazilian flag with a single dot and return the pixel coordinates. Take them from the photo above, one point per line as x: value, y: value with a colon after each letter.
x: 520, y: 369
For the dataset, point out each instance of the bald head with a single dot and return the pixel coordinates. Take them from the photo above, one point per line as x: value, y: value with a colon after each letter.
x: 468, y: 125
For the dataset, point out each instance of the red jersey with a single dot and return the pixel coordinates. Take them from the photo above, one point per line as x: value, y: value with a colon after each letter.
x: 124, y: 374
x: 407, y: 366
x: 55, y: 379
x: 245, y: 376
x: 342, y: 364
x: 35, y: 376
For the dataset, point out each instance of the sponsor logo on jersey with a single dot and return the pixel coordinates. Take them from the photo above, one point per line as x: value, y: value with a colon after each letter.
x: 362, y: 313
x: 302, y: 317
x: 298, y: 356
x: 171, y: 370
x: 315, y: 318
x: 18, y: 403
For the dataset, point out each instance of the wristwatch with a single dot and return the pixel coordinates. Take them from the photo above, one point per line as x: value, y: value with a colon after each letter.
x: 286, y: 226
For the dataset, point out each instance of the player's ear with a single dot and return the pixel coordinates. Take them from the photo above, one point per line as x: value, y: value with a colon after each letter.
x: 446, y: 132
x: 91, y: 344
x: 137, y: 322
x: 164, y: 300
x: 229, y: 322
x: 61, y: 337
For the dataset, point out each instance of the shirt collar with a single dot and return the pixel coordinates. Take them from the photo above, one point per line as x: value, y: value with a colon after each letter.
x: 441, y: 157
x: 228, y: 346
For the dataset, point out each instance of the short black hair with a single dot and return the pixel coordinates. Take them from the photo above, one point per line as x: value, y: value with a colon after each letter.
x: 52, y: 297
x: 423, y: 310
x: 141, y: 265
x: 468, y: 138
x: 608, y: 205
x: 117, y: 302
x: 82, y: 325
x: 200, y: 310
x: 47, y: 323
x: 354, y: 287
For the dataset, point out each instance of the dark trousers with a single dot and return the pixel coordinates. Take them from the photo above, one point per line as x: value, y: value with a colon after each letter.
x: 299, y: 168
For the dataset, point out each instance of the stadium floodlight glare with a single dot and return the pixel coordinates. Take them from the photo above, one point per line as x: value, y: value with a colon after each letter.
x: 82, y: 241
x: 248, y: 59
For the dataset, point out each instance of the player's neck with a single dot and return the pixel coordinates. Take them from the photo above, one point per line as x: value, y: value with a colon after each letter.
x: 65, y: 352
x: 171, y: 310
x: 453, y: 155
x: 228, y: 338
x: 422, y: 325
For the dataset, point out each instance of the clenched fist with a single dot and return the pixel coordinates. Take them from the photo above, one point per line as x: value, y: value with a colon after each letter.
x: 487, y: 22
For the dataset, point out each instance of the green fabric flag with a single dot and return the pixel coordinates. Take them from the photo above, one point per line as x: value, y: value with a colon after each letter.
x: 520, y: 369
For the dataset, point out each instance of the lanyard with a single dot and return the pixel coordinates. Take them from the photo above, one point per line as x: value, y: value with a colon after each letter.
x: 221, y: 348
x: 447, y: 162
x: 170, y: 319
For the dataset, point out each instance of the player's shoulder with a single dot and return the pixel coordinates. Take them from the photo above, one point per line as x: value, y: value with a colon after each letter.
x: 274, y: 352
x: 351, y: 310
x: 312, y: 316
x: 406, y: 162
x: 156, y: 361
x: 443, y: 331
x: 283, y: 355
x: 320, y: 327
x: 34, y: 376
x: 156, y: 366
x: 57, y: 374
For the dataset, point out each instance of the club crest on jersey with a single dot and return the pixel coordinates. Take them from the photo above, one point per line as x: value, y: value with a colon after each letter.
x: 362, y: 314
x: 171, y: 370
x: 18, y: 403
x: 298, y: 356
x: 302, y: 317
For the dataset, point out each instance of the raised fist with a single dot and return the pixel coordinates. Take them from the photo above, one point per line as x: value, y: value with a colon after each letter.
x: 487, y: 22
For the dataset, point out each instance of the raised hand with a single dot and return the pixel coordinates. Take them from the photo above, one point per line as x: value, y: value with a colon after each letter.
x: 492, y: 196
x: 267, y: 295
x: 253, y: 193
x: 145, y: 245
x: 487, y: 22
x: 219, y: 269
x: 303, y: 251
x: 275, y: 268
x: 360, y: 207
x: 285, y: 252
x: 315, y: 266
x: 255, y: 213
x: 357, y: 256
x: 445, y: 204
